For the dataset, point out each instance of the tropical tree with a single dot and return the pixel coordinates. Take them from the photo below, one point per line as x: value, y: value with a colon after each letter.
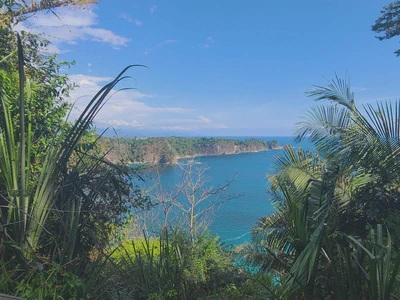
x: 388, y: 23
x: 49, y: 87
x: 362, y: 143
x: 320, y: 241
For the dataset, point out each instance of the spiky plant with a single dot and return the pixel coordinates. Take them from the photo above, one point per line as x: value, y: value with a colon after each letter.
x: 63, y: 208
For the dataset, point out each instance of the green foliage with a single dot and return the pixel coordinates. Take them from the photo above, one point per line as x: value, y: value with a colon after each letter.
x: 18, y: 10
x: 53, y: 283
x: 167, y: 150
x: 388, y: 23
x: 46, y: 106
x: 319, y: 241
x: 63, y: 208
x: 169, y: 267
x: 379, y: 267
x: 61, y: 200
x: 139, y: 246
x: 333, y: 235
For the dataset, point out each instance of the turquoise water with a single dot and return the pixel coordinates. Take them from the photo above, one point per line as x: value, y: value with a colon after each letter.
x: 236, y: 217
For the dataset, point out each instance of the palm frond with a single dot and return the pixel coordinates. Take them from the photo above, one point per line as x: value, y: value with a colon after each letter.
x: 338, y: 90
x: 372, y: 142
x: 322, y: 122
x: 383, y: 265
x: 304, y: 265
x: 297, y: 166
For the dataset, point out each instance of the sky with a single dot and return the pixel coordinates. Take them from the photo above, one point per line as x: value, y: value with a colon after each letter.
x: 219, y: 67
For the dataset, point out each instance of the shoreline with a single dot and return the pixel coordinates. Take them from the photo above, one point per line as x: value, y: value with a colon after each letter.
x: 176, y: 159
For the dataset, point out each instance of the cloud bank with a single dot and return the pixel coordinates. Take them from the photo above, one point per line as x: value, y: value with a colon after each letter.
x: 131, y: 109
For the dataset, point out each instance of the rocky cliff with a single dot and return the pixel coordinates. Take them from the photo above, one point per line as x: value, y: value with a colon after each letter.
x: 170, y: 149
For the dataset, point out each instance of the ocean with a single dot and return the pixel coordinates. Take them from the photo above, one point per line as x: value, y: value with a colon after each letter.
x: 233, y: 221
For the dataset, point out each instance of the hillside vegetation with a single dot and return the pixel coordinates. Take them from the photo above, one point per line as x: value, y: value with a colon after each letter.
x: 170, y: 149
x: 71, y: 220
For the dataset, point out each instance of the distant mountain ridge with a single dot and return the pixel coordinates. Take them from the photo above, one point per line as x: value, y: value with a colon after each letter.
x: 171, y: 149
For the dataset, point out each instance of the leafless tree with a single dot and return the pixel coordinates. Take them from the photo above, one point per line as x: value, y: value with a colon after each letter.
x: 163, y: 200
x: 166, y: 198
x: 201, y: 200
x: 189, y: 205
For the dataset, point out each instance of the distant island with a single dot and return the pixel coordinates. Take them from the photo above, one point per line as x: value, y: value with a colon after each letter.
x: 170, y: 149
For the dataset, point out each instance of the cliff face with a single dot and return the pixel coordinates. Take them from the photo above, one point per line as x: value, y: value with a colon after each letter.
x: 169, y: 150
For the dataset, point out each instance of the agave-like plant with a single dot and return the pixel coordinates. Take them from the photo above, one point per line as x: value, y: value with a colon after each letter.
x: 64, y: 187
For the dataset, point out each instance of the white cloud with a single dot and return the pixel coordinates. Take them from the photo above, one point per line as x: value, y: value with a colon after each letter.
x: 130, y: 20
x: 132, y: 109
x: 122, y: 109
x: 126, y: 17
x: 205, y: 120
x: 53, y: 48
x: 153, y: 9
x: 68, y: 27
x: 208, y: 42
x: 104, y: 36
x: 81, y: 79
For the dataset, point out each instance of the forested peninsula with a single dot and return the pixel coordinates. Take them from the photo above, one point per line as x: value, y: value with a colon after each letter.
x: 170, y: 149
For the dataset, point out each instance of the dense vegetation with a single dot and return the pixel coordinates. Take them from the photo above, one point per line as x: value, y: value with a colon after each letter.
x: 64, y: 207
x: 69, y: 225
x: 334, y: 233
x: 169, y: 149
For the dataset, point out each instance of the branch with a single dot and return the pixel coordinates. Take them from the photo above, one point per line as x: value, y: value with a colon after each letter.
x: 45, y: 5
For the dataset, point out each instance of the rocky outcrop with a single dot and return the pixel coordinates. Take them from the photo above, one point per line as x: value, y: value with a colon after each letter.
x: 171, y: 149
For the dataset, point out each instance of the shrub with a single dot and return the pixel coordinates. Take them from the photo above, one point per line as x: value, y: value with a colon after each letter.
x: 171, y: 267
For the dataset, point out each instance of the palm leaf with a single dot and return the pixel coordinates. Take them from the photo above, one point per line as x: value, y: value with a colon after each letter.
x: 322, y: 122
x: 338, y: 90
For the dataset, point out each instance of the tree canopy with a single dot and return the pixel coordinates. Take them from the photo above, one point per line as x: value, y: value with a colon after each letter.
x: 335, y: 224
x: 388, y: 24
x: 15, y: 10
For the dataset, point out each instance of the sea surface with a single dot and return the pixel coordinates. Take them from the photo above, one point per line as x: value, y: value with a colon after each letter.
x: 236, y: 217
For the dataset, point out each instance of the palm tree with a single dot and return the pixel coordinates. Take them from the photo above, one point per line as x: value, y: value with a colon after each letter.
x: 317, y: 236
x: 359, y: 143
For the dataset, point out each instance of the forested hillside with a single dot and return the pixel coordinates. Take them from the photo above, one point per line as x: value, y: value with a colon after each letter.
x: 170, y: 149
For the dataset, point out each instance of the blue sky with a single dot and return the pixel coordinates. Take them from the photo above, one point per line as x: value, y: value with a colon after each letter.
x: 223, y: 68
